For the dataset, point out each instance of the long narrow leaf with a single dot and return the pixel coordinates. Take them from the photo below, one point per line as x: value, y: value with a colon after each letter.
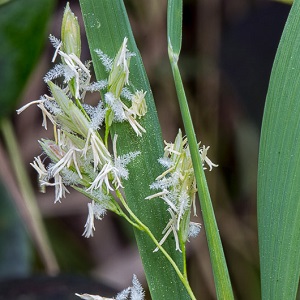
x: 279, y: 170
x: 106, y: 25
x: 174, y: 27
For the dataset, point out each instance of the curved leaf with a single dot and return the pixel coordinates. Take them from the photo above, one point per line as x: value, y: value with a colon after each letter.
x: 107, y: 24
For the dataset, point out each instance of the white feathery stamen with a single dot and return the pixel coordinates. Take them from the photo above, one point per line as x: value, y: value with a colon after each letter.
x: 204, y: 157
x: 60, y: 189
x: 101, y: 178
x: 159, y: 194
x: 99, y: 151
x: 89, y: 225
x: 170, y: 203
x: 40, y: 168
x: 46, y: 115
x: 29, y: 104
x: 66, y: 161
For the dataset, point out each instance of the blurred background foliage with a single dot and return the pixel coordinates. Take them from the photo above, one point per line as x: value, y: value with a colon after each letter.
x: 227, y: 54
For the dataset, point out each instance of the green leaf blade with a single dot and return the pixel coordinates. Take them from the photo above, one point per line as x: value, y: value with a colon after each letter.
x: 106, y: 25
x: 279, y: 170
x: 175, y: 25
x: 22, y: 35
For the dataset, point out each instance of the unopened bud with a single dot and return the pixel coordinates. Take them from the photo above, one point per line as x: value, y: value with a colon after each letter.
x: 119, y: 74
x: 139, y: 105
x: 70, y: 33
x: 72, y: 118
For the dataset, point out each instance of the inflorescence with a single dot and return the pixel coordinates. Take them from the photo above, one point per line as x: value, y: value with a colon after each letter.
x: 177, y: 185
x: 134, y: 292
x: 79, y: 154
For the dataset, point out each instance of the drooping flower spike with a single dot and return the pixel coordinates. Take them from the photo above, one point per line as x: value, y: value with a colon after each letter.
x: 79, y: 155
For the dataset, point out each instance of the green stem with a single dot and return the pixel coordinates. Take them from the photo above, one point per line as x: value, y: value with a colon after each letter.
x: 116, y: 208
x: 34, y: 221
x: 106, y: 136
x: 144, y: 228
x: 182, y: 247
x: 107, y: 127
x: 122, y: 214
x: 219, y: 266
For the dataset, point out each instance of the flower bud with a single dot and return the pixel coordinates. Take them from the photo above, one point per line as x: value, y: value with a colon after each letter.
x: 72, y: 118
x: 119, y: 74
x: 139, y: 105
x: 70, y: 33
x: 60, y: 97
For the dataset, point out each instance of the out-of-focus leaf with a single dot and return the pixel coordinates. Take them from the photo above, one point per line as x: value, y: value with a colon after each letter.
x: 14, y: 243
x: 279, y: 170
x: 22, y: 35
x: 3, y: 1
x: 285, y: 1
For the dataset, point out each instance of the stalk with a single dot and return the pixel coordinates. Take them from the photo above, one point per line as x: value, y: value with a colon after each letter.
x: 144, y: 228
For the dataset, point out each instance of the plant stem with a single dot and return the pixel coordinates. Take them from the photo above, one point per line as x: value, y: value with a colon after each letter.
x: 122, y: 214
x: 182, y: 246
x: 144, y: 228
x: 219, y: 266
x: 107, y: 126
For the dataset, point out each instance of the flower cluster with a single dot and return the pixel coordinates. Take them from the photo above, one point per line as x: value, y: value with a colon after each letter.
x: 135, y: 292
x: 117, y: 92
x: 177, y: 187
x: 79, y: 155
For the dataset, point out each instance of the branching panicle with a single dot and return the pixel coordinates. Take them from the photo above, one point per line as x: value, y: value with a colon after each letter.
x: 79, y: 154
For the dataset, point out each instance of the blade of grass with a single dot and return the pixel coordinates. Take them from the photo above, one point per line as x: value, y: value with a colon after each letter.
x: 279, y: 170
x: 219, y: 266
x: 107, y: 24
